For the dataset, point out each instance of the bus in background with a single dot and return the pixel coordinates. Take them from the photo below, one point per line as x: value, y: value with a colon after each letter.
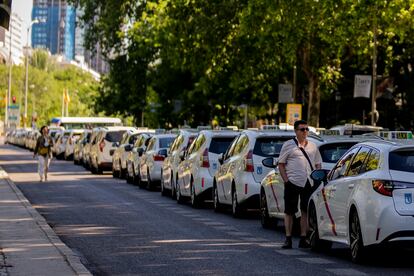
x: 84, y: 122
x: 352, y: 129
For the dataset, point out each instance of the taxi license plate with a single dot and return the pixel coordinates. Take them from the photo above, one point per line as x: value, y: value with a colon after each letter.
x: 404, y: 201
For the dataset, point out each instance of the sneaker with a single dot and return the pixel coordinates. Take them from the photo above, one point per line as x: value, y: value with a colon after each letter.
x: 45, y: 178
x: 287, y: 244
x: 303, y: 243
x: 41, y: 179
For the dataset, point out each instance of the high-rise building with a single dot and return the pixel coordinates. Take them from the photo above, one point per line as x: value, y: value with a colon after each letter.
x: 57, y: 33
x: 16, y: 32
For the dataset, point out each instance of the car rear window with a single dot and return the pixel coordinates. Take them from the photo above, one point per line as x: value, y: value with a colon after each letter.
x: 402, y: 161
x: 114, y: 136
x: 269, y: 146
x: 332, y: 152
x: 166, y: 142
x: 220, y: 144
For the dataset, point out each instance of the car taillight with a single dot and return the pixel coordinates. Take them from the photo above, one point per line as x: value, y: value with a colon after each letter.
x: 383, y: 187
x: 101, y: 145
x: 205, y: 162
x: 159, y: 157
x: 248, y: 162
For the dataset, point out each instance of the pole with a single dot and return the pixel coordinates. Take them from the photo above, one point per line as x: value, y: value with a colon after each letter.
x: 374, y: 75
x: 63, y: 103
x: 294, y: 84
x: 10, y: 73
x: 26, y: 79
x: 67, y: 103
x: 245, y: 116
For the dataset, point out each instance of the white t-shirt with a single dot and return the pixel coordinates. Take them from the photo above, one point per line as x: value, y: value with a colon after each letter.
x: 296, y: 164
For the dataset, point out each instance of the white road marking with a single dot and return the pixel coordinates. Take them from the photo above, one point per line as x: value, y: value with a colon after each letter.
x: 315, y: 260
x: 346, y: 271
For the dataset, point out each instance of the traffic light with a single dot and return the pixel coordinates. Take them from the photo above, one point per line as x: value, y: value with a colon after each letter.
x: 14, y: 99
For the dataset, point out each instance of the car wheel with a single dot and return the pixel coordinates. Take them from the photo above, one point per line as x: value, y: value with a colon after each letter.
x: 99, y: 170
x: 179, y: 197
x: 195, y: 200
x: 216, y: 201
x: 358, y: 251
x: 121, y: 171
x: 266, y: 221
x: 316, y: 243
x: 163, y: 191
x: 236, y: 209
x: 115, y: 173
x: 129, y: 178
x: 149, y: 182
x: 173, y: 189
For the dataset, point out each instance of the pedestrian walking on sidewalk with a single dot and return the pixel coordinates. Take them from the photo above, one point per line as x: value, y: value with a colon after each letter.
x: 43, y: 150
x: 298, y: 158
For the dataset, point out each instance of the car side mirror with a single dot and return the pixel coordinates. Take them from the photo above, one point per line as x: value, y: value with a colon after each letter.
x: 140, y: 151
x: 221, y: 158
x: 319, y: 175
x: 269, y: 162
x: 128, y: 148
x: 115, y: 144
x: 182, y: 155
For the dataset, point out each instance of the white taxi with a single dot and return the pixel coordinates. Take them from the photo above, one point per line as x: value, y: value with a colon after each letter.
x: 331, y: 148
x: 104, y: 146
x: 60, y: 145
x: 237, y: 182
x: 134, y: 156
x: 152, y: 159
x: 123, y: 148
x: 78, y: 148
x: 195, y: 173
x: 74, y: 136
x: 366, y: 199
x: 175, y: 156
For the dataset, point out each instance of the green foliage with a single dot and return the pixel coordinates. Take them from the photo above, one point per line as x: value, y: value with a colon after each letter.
x: 197, y: 61
x: 47, y: 82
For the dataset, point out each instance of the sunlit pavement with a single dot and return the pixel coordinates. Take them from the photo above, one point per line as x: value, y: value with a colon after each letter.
x: 118, y: 228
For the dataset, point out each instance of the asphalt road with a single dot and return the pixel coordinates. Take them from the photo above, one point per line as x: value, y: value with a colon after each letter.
x: 119, y: 229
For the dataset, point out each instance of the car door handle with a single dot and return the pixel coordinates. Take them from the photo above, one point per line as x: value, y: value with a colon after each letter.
x: 351, y: 186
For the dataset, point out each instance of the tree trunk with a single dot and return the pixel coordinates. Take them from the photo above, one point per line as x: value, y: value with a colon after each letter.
x: 314, y: 103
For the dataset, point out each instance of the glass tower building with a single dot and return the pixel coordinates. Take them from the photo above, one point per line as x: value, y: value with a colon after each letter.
x: 57, y: 34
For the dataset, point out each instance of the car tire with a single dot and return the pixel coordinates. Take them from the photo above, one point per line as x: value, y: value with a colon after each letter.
x: 235, y: 206
x: 173, y: 188
x: 121, y: 171
x: 179, y: 197
x: 316, y: 243
x: 164, y: 192
x: 266, y: 221
x: 195, y: 200
x: 358, y: 250
x: 218, y: 207
x: 115, y: 173
x: 99, y: 170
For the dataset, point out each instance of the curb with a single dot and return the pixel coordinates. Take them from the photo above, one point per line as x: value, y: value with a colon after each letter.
x: 68, y: 255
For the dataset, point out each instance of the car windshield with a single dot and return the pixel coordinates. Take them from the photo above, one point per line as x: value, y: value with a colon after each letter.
x: 402, y: 160
x: 166, y: 142
x: 269, y: 146
x: 220, y: 144
x: 114, y: 136
x: 332, y: 152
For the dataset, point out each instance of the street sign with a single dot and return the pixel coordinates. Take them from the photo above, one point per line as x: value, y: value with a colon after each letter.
x: 285, y: 93
x: 14, y: 115
x: 293, y: 113
x: 362, y: 86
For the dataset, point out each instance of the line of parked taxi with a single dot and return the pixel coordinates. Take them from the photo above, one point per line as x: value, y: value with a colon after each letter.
x: 364, y: 193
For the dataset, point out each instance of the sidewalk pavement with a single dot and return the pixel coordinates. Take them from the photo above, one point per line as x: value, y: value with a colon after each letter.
x: 28, y: 246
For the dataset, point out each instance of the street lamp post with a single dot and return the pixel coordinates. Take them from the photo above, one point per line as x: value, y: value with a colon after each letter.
x: 27, y: 70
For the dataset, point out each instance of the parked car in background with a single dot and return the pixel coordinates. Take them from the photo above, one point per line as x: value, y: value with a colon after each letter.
x: 195, y: 173
x: 107, y: 140
x: 134, y: 156
x: 152, y: 159
x: 60, y: 145
x: 170, y: 166
x: 74, y: 136
x: 79, y: 144
x: 86, y: 150
x: 237, y: 182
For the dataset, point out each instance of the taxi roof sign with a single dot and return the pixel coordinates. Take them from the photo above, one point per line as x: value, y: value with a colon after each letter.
x: 329, y: 132
x: 203, y: 127
x: 396, y: 135
x: 269, y: 127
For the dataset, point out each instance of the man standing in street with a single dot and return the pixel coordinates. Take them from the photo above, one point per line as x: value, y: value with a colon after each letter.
x: 298, y: 157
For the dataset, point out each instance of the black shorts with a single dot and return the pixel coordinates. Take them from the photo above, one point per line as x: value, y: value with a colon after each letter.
x: 292, y: 194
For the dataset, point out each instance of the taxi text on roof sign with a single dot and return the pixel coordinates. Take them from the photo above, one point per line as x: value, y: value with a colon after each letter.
x: 402, y: 135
